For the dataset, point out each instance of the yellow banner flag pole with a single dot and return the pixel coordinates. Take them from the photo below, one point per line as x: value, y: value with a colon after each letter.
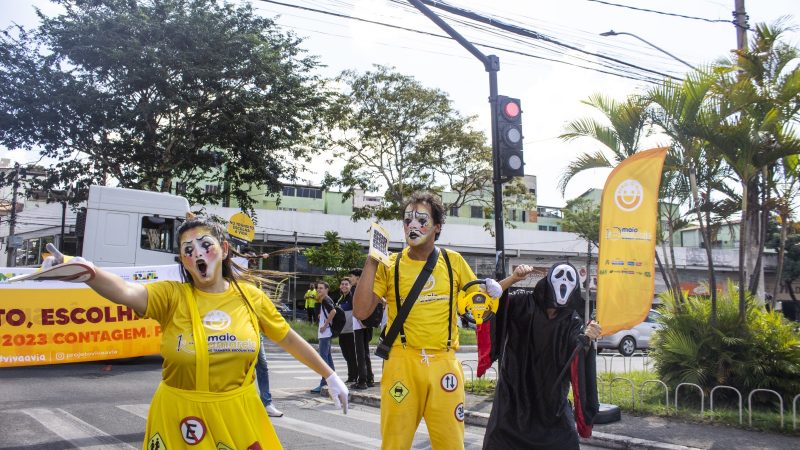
x: 628, y: 218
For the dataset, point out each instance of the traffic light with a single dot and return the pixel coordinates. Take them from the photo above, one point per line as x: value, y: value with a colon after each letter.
x: 509, y: 129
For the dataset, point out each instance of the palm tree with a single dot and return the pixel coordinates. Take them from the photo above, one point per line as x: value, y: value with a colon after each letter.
x: 758, y: 98
x: 626, y: 124
x: 676, y: 109
x: 786, y: 188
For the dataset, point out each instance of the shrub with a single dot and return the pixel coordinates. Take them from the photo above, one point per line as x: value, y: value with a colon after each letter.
x: 762, y: 351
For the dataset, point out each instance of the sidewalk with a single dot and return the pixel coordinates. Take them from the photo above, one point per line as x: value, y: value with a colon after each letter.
x: 635, y: 432
x: 640, y: 433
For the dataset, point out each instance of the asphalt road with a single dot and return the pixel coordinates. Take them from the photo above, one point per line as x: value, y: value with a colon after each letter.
x: 101, y: 406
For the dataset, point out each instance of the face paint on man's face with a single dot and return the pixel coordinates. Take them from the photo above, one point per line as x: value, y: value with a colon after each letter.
x: 201, y: 254
x: 417, y: 224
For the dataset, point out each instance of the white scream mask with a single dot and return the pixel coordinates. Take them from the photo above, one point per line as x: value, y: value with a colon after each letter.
x: 563, y: 279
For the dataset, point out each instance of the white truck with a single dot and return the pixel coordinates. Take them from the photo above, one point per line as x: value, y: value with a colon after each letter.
x: 115, y: 227
x: 128, y: 227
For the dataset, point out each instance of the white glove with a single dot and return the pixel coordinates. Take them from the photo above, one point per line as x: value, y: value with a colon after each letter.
x: 56, y: 258
x: 338, y: 391
x: 493, y: 288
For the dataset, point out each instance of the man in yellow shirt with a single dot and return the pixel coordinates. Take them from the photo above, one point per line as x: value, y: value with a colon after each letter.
x: 422, y: 377
x: 311, y: 303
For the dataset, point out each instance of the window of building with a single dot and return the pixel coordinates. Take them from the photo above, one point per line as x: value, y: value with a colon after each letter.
x: 512, y: 215
x: 524, y: 215
x: 453, y: 211
x: 180, y: 188
x: 552, y: 228
x: 309, y: 192
x: 212, y: 189
x: 542, y: 227
x: 158, y: 234
x: 532, y: 191
x: 476, y: 212
x: 288, y: 191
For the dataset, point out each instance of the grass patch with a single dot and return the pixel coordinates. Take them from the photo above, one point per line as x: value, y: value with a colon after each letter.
x: 481, y: 386
x: 650, y: 401
x: 726, y: 409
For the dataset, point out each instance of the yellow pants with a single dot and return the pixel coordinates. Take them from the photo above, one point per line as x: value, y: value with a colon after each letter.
x: 233, y: 420
x: 417, y: 384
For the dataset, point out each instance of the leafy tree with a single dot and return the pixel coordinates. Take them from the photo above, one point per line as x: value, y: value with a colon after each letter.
x: 336, y: 257
x: 582, y: 217
x: 153, y: 92
x: 398, y: 136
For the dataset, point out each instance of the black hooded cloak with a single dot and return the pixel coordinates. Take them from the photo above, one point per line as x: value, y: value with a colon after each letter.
x: 530, y: 409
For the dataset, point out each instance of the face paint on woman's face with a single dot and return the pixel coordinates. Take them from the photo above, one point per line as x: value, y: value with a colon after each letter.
x: 201, y: 255
x: 417, y: 224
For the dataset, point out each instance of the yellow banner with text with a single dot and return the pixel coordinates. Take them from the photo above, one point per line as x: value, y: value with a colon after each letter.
x: 53, y: 322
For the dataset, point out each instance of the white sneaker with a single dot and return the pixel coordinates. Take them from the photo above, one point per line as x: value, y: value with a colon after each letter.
x: 273, y: 411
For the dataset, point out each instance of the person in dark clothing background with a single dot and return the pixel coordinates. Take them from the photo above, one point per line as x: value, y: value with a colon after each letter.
x: 347, y: 338
x: 545, y: 347
x: 363, y: 335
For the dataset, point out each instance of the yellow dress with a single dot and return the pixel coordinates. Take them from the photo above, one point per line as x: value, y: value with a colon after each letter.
x: 207, y: 398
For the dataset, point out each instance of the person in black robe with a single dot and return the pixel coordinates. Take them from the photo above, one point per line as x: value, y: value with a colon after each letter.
x: 544, y: 346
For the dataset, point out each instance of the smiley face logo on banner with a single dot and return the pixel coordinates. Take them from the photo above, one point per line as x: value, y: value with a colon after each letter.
x: 629, y: 195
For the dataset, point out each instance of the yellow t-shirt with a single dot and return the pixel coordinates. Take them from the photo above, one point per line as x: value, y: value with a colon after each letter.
x: 426, y: 324
x: 232, y: 341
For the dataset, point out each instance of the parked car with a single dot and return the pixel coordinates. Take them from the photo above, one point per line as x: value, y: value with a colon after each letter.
x: 638, y: 337
x: 284, y: 309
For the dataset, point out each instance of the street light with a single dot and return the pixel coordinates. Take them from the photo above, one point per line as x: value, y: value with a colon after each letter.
x: 617, y: 33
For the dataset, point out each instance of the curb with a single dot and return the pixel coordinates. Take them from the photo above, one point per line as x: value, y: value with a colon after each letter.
x: 626, y: 442
x: 606, y: 440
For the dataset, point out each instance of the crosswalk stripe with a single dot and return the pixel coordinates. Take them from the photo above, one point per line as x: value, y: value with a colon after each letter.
x: 349, y: 439
x: 137, y: 410
x: 375, y: 418
x: 74, y: 430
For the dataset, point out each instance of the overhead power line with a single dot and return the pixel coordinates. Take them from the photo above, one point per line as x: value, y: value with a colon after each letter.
x: 493, y: 22
x: 661, y: 12
x: 531, y: 34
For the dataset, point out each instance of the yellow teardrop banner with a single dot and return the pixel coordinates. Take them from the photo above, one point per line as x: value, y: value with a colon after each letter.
x: 628, y: 216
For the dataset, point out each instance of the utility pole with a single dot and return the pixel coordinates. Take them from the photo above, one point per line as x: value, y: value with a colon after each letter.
x: 11, y: 248
x: 492, y: 65
x: 294, y: 279
x: 740, y: 21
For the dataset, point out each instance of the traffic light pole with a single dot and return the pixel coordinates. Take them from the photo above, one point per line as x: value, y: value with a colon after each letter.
x: 492, y: 65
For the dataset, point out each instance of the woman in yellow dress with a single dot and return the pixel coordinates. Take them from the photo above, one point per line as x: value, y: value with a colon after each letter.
x: 210, y: 324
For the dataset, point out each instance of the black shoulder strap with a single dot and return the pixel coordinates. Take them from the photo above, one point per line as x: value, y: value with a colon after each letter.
x: 450, y: 311
x: 403, y: 309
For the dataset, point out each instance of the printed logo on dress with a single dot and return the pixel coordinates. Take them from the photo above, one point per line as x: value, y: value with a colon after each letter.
x: 459, y: 412
x: 217, y: 320
x: 156, y: 443
x: 449, y: 382
x: 398, y: 392
x: 254, y: 446
x: 223, y: 446
x: 193, y: 430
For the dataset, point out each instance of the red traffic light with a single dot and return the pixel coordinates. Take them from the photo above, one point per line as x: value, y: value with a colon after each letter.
x: 511, y: 109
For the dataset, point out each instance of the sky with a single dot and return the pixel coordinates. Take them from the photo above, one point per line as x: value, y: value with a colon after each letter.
x: 551, y: 77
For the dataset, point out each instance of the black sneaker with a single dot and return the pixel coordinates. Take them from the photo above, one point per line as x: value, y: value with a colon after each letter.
x: 359, y: 386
